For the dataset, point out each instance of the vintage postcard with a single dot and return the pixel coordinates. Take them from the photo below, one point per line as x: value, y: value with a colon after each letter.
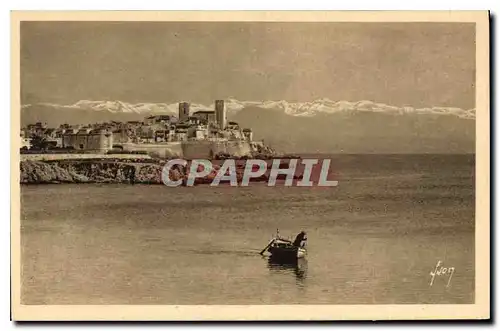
x: 250, y: 165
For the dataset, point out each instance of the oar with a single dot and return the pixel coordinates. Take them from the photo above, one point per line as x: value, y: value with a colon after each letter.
x: 262, y: 252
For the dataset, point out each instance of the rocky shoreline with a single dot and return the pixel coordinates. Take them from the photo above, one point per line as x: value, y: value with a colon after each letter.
x: 89, y: 171
x: 129, y: 171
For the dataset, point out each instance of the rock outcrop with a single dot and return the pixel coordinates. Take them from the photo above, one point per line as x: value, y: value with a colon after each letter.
x: 37, y: 172
x: 108, y: 171
x: 42, y: 173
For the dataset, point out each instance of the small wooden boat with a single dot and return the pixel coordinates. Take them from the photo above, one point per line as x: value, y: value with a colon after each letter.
x: 284, y: 249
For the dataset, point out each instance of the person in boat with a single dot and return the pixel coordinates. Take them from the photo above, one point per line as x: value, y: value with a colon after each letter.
x: 300, y: 240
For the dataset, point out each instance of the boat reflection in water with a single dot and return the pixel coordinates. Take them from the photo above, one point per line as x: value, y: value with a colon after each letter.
x: 297, y: 267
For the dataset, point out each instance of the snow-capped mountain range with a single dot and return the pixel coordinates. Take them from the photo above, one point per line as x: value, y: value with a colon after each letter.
x: 297, y: 109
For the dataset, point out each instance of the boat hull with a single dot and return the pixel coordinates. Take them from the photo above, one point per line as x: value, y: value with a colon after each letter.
x: 287, y: 254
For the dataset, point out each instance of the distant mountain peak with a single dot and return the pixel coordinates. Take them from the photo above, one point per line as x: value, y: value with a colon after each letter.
x: 298, y: 109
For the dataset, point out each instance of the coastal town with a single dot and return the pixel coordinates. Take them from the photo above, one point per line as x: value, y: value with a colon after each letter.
x: 134, y: 151
x: 161, y: 130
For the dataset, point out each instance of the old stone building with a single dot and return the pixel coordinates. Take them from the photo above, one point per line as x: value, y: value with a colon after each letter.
x: 95, y: 140
x: 205, y: 116
x: 248, y: 134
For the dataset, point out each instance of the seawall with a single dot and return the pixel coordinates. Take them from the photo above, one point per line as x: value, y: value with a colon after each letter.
x: 162, y: 150
x: 75, y: 156
x: 208, y: 149
x: 205, y: 149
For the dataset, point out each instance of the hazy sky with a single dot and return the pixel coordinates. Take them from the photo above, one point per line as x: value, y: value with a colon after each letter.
x: 417, y: 64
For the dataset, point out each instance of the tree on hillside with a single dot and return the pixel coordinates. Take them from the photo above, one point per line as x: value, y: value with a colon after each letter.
x: 39, y: 142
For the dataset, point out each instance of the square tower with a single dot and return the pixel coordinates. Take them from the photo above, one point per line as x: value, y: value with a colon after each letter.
x: 220, y: 114
x: 183, y: 111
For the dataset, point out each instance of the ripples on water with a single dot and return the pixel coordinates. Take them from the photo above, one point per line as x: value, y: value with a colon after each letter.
x: 297, y: 269
x: 372, y: 239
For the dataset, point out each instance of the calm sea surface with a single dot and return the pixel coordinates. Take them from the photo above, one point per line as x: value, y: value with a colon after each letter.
x: 372, y: 239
